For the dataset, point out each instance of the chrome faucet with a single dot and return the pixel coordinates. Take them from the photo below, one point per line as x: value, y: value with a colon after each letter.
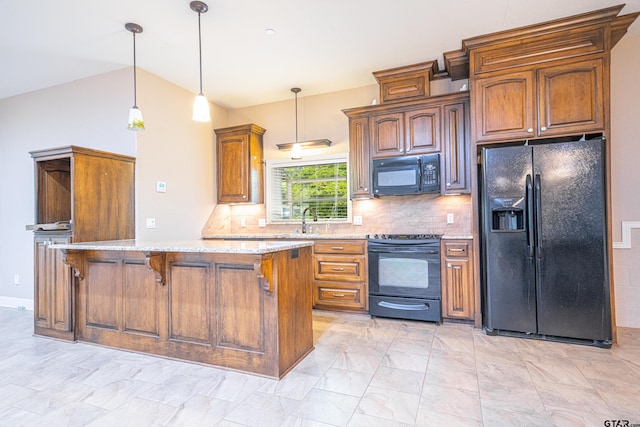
x: 304, y: 214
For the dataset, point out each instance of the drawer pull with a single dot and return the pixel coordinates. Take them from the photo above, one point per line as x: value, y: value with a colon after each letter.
x: 337, y: 248
x: 455, y: 250
x: 338, y: 268
x: 338, y: 295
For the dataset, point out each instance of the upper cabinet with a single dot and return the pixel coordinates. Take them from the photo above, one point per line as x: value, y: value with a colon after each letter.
x: 544, y: 80
x: 438, y: 124
x: 544, y: 102
x: 406, y: 133
x: 240, y: 167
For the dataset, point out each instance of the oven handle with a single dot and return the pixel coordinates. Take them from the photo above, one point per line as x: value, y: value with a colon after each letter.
x: 415, y: 251
x: 408, y: 307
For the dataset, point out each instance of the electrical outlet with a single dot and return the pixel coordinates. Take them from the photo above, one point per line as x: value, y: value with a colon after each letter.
x: 16, y: 279
x: 161, y: 186
x: 262, y: 222
x: 151, y: 223
x: 449, y: 218
x: 357, y: 220
x: 243, y: 222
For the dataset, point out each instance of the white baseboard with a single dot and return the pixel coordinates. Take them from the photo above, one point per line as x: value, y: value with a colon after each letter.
x: 626, y: 234
x: 16, y: 303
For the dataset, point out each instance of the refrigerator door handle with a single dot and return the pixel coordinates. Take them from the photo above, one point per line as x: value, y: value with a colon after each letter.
x: 530, y: 224
x: 538, y: 212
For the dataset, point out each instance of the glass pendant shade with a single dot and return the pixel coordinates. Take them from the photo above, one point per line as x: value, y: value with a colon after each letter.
x: 201, y: 109
x: 296, y: 151
x: 136, y: 123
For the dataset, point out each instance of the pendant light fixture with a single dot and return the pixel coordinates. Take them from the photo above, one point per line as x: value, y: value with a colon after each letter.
x: 296, y: 147
x: 136, y: 123
x: 200, y: 104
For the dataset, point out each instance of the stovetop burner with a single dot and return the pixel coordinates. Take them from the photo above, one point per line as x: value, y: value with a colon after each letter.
x: 404, y: 236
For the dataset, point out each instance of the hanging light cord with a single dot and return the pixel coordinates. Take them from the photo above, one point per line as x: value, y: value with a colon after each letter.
x: 296, y: 117
x: 135, y: 103
x: 200, y: 51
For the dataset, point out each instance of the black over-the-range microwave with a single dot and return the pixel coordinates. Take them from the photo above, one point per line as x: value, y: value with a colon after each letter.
x: 406, y: 175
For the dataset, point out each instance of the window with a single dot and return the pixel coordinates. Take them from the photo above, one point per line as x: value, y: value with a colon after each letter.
x: 319, y: 183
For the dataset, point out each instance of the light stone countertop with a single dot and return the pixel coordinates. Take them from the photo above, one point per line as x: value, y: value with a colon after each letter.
x: 284, y: 236
x: 199, y: 246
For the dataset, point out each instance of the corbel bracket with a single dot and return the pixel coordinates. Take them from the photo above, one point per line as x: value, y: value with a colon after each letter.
x: 75, y: 260
x: 156, y: 262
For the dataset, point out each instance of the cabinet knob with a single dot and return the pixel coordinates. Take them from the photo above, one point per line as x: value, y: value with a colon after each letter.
x: 543, y: 128
x: 244, y: 196
x: 449, y: 264
x: 448, y: 184
x: 366, y: 189
x: 530, y: 130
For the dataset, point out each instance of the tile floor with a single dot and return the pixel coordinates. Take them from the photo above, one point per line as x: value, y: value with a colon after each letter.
x: 363, y: 372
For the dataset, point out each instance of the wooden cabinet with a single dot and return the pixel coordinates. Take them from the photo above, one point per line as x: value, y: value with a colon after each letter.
x: 438, y: 124
x: 458, y: 290
x: 359, y: 158
x: 81, y: 195
x: 340, y: 275
x: 410, y: 133
x: 240, y: 311
x: 54, y: 290
x: 456, y: 153
x: 544, y: 102
x: 240, y: 169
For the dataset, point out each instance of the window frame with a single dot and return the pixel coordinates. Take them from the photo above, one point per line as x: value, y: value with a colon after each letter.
x: 306, y: 161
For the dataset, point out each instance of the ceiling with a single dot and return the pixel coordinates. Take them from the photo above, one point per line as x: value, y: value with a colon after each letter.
x: 321, y: 46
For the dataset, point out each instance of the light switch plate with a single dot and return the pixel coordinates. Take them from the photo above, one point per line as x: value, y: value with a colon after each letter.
x: 262, y: 222
x: 357, y: 220
x: 449, y: 218
x: 161, y: 186
x: 151, y: 223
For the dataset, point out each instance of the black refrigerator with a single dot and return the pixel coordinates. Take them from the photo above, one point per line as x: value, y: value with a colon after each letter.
x: 544, y: 242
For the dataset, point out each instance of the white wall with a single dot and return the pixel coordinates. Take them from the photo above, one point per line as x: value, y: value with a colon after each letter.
x: 625, y: 176
x: 93, y: 113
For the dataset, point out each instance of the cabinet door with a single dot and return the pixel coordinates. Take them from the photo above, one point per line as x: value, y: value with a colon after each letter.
x: 359, y: 169
x: 387, y: 135
x: 456, y: 148
x: 233, y: 168
x: 571, y: 98
x: 504, y: 107
x: 53, y: 290
x: 457, y: 283
x: 422, y: 131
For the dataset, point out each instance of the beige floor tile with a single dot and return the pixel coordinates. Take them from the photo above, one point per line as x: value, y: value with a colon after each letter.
x: 358, y: 374
x: 558, y: 396
x: 503, y: 417
x: 556, y: 370
x: 389, y: 404
x: 453, y: 401
x: 398, y: 379
x: 327, y: 407
x: 344, y: 381
x: 403, y: 360
x: 500, y: 396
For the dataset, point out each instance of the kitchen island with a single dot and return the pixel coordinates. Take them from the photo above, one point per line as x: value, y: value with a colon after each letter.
x: 242, y: 305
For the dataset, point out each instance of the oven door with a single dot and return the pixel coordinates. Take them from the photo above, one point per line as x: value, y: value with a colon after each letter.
x: 404, y: 270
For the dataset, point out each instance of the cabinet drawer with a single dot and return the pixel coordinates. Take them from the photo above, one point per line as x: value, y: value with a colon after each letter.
x: 355, y: 247
x: 456, y: 249
x: 349, y: 269
x: 339, y: 296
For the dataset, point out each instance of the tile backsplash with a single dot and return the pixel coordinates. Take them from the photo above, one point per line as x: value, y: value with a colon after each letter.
x: 417, y: 214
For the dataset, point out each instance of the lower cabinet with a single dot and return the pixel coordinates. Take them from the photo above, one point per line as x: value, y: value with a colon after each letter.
x: 340, y: 275
x: 458, y: 291
x: 53, y: 288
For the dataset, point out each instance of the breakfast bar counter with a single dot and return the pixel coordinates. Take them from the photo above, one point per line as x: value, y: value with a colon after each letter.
x: 242, y: 305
